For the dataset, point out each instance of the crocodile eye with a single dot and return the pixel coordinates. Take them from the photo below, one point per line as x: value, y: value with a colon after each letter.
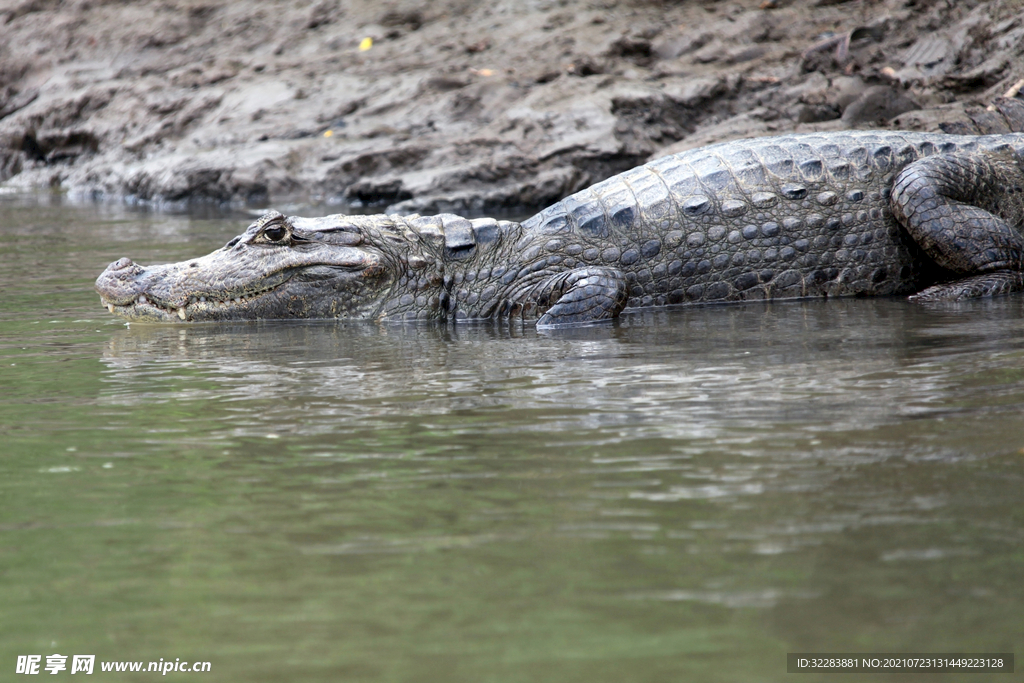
x: 276, y: 233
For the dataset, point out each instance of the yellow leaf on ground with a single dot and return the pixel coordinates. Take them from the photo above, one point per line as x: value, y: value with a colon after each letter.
x: 366, y: 44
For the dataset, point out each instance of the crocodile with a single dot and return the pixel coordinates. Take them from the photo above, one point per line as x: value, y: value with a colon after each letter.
x: 859, y: 213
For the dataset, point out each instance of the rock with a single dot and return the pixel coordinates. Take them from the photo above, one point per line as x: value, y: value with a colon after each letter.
x: 876, y: 105
x: 1005, y: 115
x: 811, y: 113
x: 930, y: 56
x: 845, y: 90
x: 461, y: 106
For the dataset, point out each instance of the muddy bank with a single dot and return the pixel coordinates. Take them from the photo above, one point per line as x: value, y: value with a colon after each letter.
x: 465, y: 106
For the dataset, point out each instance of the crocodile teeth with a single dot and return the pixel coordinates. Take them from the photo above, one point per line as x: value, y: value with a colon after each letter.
x: 142, y: 299
x: 110, y: 307
x: 181, y: 312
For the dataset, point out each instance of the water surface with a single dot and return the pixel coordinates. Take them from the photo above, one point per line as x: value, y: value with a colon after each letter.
x: 683, y: 495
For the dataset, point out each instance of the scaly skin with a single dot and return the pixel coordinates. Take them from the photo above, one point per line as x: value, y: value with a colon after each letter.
x: 831, y: 214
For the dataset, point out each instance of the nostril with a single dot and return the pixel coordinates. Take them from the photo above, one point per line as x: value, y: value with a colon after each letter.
x: 121, y: 263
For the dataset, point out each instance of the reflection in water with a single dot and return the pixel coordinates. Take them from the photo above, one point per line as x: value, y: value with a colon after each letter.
x: 723, y: 404
x: 807, y: 368
x: 685, y: 494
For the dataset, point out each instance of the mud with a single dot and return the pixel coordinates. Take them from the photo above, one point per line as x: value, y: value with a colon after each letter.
x: 467, y: 106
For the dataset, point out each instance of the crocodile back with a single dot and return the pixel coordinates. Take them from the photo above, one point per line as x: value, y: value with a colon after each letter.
x: 794, y: 215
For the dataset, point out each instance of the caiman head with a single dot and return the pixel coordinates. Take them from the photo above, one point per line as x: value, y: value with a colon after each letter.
x: 358, y: 267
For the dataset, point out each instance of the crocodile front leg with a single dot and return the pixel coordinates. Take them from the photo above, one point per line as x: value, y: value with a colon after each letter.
x: 967, y: 212
x: 580, y: 296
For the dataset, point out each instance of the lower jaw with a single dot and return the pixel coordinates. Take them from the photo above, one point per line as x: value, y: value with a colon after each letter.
x: 134, y: 313
x: 252, y: 310
x: 191, y: 313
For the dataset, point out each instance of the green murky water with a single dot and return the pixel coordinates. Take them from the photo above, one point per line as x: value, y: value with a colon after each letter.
x: 685, y: 495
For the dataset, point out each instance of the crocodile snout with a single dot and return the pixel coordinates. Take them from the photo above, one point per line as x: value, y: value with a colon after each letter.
x: 124, y: 268
x: 120, y: 283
